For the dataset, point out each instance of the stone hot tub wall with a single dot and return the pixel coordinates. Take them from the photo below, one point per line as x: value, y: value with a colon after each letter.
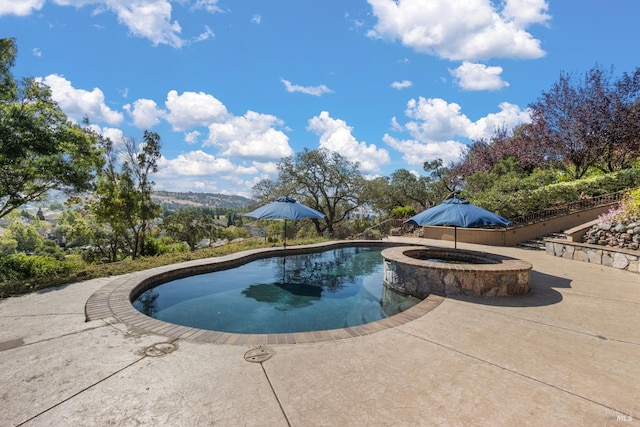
x: 407, y: 270
x: 622, y: 259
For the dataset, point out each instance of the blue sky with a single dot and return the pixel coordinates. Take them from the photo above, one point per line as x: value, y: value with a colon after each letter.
x: 234, y: 86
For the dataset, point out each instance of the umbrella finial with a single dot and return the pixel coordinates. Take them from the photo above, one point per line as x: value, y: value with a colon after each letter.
x: 286, y: 199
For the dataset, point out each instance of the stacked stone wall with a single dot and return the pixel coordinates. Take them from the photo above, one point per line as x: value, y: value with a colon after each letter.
x: 615, y: 235
x: 620, y: 258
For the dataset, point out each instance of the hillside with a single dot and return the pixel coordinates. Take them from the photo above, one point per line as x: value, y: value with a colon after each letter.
x: 173, y: 200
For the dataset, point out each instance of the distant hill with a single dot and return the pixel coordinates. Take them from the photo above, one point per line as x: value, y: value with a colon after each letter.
x: 174, y: 200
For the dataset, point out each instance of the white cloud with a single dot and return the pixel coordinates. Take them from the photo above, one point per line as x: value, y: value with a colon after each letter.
x: 194, y: 109
x: 256, y: 19
x: 191, y: 137
x: 436, y: 124
x: 309, y: 90
x: 402, y: 85
x: 252, y: 136
x: 205, y: 35
x: 150, y: 19
x: 461, y: 30
x: 210, y: 6
x: 509, y: 116
x: 20, y: 7
x: 79, y: 103
x: 335, y: 135
x: 205, y: 172
x: 525, y: 12
x: 194, y: 163
x: 435, y: 119
x: 417, y: 152
x: 472, y: 76
x: 145, y: 113
x: 36, y: 52
x: 115, y: 135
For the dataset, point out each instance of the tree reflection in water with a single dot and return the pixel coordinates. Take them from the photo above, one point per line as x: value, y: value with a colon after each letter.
x: 330, y: 273
x: 147, y: 303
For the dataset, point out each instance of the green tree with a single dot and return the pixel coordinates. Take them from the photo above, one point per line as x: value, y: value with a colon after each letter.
x: 189, y: 225
x: 40, y: 149
x: 27, y: 237
x: 124, y: 194
x: 323, y: 180
x: 408, y: 189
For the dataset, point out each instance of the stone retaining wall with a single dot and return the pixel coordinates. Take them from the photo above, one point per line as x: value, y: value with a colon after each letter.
x: 622, y: 259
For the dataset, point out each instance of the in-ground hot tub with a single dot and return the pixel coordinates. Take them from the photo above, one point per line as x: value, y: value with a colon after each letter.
x: 420, y: 271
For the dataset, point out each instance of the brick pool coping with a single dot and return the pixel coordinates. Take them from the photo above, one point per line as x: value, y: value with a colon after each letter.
x: 113, y: 301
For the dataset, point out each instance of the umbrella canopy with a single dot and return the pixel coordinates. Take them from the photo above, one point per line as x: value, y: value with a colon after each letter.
x: 285, y: 208
x: 458, y: 213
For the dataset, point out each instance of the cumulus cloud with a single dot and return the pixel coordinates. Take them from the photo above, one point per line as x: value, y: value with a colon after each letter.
x: 194, y: 163
x: 79, y: 103
x: 145, y: 113
x: 309, y: 90
x: 509, y: 116
x: 191, y: 137
x: 335, y: 135
x: 206, y: 172
x: 525, y: 12
x: 150, y: 19
x: 472, y: 76
x: 417, y: 152
x: 469, y: 30
x: 20, y: 7
x: 194, y: 109
x: 252, y: 136
x: 143, y: 18
x: 436, y: 124
x: 402, y: 85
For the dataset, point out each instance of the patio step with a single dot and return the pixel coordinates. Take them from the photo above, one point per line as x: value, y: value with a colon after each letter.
x: 538, y: 244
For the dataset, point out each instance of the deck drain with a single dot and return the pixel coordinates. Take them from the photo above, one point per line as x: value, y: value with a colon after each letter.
x: 159, y: 349
x: 258, y: 355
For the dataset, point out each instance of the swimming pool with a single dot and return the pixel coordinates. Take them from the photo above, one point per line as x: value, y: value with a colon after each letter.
x: 337, y: 288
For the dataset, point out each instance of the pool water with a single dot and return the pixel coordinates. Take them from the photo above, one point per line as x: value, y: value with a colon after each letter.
x: 299, y: 293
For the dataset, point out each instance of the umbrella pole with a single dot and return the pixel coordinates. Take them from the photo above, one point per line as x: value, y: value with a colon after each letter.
x: 285, y: 234
x: 455, y: 237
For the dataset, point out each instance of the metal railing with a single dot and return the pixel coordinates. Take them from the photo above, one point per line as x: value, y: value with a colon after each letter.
x: 570, y: 208
x: 397, y: 225
x: 386, y: 227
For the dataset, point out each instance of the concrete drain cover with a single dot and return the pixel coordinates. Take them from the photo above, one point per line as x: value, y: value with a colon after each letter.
x: 159, y: 349
x: 258, y: 355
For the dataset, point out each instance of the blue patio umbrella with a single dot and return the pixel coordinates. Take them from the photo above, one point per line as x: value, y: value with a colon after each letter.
x: 458, y: 212
x: 285, y: 208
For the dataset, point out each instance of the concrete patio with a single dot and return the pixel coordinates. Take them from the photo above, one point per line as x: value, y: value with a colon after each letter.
x: 566, y: 354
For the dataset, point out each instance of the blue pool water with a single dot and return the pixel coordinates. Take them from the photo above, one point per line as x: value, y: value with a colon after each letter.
x: 325, y: 290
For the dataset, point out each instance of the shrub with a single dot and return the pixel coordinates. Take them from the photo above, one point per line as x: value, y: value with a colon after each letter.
x: 20, y: 266
x: 515, y: 203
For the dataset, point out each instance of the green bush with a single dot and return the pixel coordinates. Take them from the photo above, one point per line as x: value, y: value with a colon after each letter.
x: 20, y: 266
x: 402, y: 212
x: 514, y: 203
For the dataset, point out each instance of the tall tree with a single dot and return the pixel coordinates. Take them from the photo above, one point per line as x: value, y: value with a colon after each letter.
x: 590, y: 120
x: 40, y: 149
x: 323, y: 180
x: 407, y: 189
x: 124, y: 192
